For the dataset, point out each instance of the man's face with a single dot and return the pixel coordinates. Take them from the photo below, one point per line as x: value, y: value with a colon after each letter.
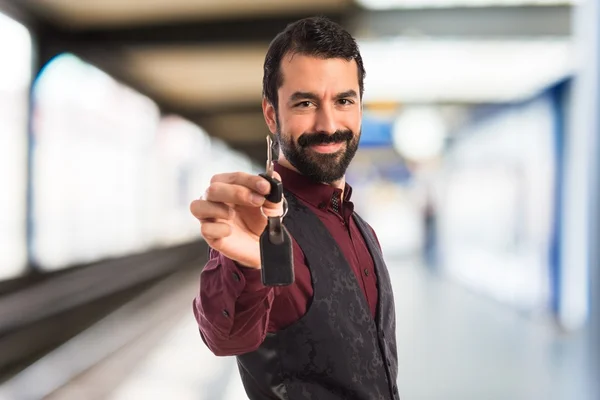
x: 319, y: 115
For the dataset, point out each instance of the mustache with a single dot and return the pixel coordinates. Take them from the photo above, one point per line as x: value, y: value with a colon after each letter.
x: 318, y: 138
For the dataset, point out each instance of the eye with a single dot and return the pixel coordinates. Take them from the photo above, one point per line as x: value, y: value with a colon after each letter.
x: 304, y: 104
x: 345, y: 102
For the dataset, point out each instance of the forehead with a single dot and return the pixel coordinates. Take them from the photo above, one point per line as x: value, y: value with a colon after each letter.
x: 303, y: 72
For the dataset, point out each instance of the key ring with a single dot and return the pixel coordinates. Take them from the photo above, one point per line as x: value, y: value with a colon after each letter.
x: 285, y: 209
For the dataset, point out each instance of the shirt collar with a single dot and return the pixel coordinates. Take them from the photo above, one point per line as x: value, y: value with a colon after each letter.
x: 315, y: 193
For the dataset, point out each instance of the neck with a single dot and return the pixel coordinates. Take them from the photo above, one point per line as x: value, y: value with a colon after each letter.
x: 339, y: 184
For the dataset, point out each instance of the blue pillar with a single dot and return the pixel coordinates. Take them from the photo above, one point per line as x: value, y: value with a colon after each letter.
x: 580, y: 263
x: 594, y: 336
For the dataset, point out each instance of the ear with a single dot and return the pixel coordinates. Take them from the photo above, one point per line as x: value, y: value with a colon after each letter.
x: 270, y: 115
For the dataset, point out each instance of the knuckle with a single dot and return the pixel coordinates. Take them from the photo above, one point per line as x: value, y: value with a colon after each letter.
x: 233, y: 177
x: 254, y: 180
x: 212, y: 190
x: 216, y: 178
x: 236, y: 178
x: 242, y: 195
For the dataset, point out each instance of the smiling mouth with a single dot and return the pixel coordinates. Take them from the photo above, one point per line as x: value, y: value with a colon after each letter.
x: 327, y: 147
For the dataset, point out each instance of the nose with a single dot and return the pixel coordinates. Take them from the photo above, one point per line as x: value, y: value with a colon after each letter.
x: 325, y: 120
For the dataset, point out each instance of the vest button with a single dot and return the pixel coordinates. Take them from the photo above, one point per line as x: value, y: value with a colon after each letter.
x: 366, y: 272
x: 225, y: 314
x: 236, y: 277
x: 395, y: 389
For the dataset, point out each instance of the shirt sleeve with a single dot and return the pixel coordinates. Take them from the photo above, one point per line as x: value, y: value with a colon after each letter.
x: 232, y: 308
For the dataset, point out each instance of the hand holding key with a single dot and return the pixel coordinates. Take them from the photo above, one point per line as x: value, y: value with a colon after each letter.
x: 231, y: 218
x: 277, y: 264
x: 238, y: 221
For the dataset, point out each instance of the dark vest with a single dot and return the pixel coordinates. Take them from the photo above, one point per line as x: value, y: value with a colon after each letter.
x: 336, y: 351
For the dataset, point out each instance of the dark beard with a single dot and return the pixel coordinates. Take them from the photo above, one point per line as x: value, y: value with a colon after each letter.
x: 323, y: 168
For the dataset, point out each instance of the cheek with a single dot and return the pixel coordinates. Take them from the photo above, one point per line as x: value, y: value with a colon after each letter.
x: 353, y: 122
x: 294, y: 126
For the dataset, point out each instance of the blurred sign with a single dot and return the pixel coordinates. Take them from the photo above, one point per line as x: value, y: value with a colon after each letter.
x: 376, y: 132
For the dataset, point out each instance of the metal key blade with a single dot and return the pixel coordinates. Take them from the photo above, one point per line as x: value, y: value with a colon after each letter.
x: 269, y: 156
x: 276, y: 188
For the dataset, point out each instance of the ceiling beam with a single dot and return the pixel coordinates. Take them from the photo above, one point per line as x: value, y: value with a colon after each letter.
x: 16, y: 11
x: 211, y: 32
x: 112, y: 14
x: 108, y: 48
x: 466, y: 21
x: 237, y: 127
x: 472, y: 22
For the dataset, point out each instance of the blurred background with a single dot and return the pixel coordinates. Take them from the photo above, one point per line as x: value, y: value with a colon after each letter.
x: 477, y: 168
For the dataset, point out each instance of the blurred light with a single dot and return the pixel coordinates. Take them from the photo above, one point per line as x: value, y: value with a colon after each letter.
x: 15, y: 46
x: 495, y: 203
x: 391, y: 4
x: 419, y: 133
x: 474, y: 71
x: 184, y: 138
x: 15, y: 78
x: 183, y: 173
x: 94, y: 170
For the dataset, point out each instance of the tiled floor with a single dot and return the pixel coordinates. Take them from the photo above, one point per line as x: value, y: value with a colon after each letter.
x: 452, y: 344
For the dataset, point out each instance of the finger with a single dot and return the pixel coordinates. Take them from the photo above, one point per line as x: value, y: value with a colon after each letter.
x: 273, y: 210
x: 253, y: 182
x: 219, y: 192
x: 203, y: 209
x: 268, y: 204
x: 215, y: 230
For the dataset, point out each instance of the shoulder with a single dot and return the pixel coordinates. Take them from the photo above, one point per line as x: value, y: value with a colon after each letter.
x: 374, y: 235
x: 367, y: 227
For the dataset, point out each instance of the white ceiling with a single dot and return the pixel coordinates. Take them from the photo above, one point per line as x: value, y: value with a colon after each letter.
x: 398, y: 71
x: 392, y: 4
x: 102, y: 13
x: 463, y: 70
x: 202, y: 77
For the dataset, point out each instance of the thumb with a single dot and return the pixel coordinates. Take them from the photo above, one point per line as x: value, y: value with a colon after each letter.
x: 273, y: 209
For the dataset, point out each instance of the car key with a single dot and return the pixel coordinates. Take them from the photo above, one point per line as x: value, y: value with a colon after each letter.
x: 277, y: 262
x: 276, y: 192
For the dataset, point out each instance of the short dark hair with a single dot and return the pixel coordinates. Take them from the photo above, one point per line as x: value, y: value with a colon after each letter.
x: 314, y: 36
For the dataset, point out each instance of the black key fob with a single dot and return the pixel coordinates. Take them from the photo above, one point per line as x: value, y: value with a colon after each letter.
x: 277, y: 260
x: 276, y: 189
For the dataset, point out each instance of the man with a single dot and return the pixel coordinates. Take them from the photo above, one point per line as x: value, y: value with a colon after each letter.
x: 331, y: 334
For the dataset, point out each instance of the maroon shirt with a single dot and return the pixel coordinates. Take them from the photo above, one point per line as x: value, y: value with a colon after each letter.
x: 235, y: 311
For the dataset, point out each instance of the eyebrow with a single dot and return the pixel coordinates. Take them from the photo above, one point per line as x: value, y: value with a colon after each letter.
x: 346, y: 94
x: 296, y: 96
